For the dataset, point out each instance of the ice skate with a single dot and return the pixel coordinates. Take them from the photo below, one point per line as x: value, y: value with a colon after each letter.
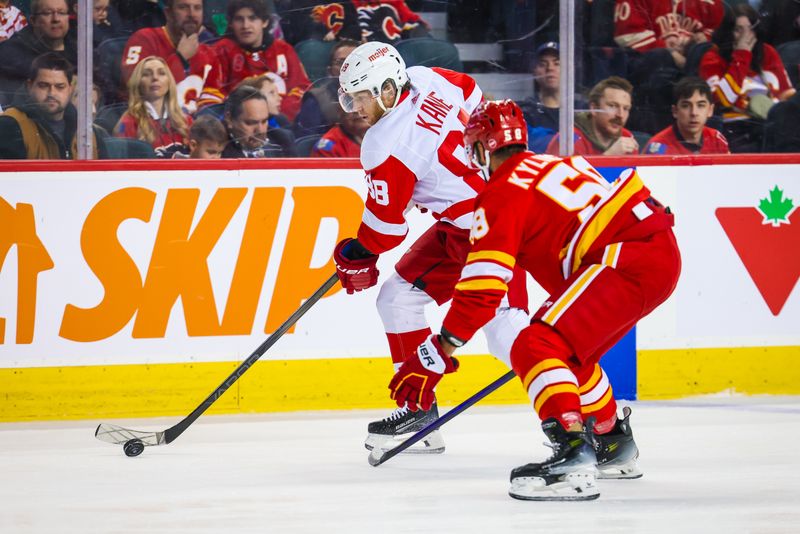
x: 568, y: 475
x: 393, y: 430
x: 617, y: 453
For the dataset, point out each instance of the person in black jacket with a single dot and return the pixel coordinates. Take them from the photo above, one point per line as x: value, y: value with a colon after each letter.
x: 247, y: 122
x: 48, y: 32
x: 781, y: 133
x: 43, y: 123
x: 319, y: 109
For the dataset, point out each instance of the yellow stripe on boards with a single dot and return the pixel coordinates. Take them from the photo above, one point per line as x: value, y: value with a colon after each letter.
x: 670, y: 374
x: 128, y: 391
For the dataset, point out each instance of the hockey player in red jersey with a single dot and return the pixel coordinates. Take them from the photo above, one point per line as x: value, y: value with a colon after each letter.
x: 251, y: 50
x: 413, y: 154
x: 606, y: 255
x: 193, y: 64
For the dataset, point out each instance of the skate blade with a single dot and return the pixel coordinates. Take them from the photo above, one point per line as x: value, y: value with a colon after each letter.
x: 627, y: 471
x: 573, y: 487
x: 433, y: 443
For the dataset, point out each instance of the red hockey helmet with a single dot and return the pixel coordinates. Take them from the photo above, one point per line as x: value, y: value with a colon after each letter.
x: 496, y: 123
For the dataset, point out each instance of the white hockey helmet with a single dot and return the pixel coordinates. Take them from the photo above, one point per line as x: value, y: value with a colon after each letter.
x: 367, y: 68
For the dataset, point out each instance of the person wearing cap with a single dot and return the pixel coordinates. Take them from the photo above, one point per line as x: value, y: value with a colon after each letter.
x: 541, y: 110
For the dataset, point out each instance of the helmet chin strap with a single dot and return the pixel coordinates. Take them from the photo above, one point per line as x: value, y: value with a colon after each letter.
x: 484, y: 168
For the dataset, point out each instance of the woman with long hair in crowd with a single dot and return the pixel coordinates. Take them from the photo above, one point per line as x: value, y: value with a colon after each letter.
x: 746, y: 75
x: 154, y: 114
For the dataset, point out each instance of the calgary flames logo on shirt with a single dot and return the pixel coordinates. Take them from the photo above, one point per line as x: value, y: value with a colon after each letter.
x: 330, y: 15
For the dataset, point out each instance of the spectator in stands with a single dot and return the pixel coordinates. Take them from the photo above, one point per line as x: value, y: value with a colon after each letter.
x: 781, y: 131
x: 193, y: 64
x: 44, y: 125
x: 542, y: 109
x: 387, y: 21
x: 746, y: 77
x: 344, y: 139
x: 691, y: 108
x: 269, y: 84
x: 138, y: 14
x: 319, y: 109
x: 12, y: 20
x: 658, y: 35
x: 315, y: 19
x: 781, y: 19
x: 107, y: 24
x: 360, y: 20
x: 602, y: 130
x: 247, y: 121
x: 154, y: 114
x: 97, y: 98
x: 207, y: 138
x: 250, y: 50
x: 48, y: 32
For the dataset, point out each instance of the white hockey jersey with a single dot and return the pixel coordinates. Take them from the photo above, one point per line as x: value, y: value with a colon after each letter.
x: 415, y: 155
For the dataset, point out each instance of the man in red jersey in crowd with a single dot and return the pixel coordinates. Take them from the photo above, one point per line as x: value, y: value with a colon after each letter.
x: 344, y: 139
x: 689, y: 134
x: 413, y: 154
x: 251, y: 50
x: 601, y: 130
x: 193, y: 64
x: 606, y: 255
x: 644, y: 25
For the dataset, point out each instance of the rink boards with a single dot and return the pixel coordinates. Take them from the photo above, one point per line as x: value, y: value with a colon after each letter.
x: 133, y: 289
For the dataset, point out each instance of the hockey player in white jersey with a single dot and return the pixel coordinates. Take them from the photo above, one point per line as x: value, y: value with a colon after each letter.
x: 413, y: 154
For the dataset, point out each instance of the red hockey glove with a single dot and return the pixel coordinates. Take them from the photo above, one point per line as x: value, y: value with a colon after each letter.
x: 355, y: 274
x: 414, y: 381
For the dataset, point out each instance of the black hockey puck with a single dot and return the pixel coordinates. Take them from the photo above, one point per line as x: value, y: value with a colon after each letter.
x: 133, y: 447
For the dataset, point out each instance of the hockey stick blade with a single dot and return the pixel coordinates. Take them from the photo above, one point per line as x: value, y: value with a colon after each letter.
x: 379, y: 456
x: 119, y: 435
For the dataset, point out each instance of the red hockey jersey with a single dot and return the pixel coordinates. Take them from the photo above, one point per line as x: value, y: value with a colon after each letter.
x: 644, y: 24
x: 544, y: 214
x: 199, y: 80
x: 415, y: 155
x: 237, y: 64
x: 732, y: 84
x: 336, y: 144
x: 168, y: 139
x: 669, y: 141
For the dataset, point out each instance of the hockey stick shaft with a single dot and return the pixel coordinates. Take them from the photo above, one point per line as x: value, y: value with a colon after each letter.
x: 391, y: 453
x: 173, y: 432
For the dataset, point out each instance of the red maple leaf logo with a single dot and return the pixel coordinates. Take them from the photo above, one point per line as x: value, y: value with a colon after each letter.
x: 767, y: 239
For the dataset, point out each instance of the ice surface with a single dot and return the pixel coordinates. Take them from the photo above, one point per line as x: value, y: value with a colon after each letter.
x: 711, y: 465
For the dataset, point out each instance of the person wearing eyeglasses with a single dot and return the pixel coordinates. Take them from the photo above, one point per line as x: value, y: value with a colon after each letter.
x: 47, y: 32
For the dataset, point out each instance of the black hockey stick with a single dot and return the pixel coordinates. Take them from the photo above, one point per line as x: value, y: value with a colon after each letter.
x: 379, y: 456
x: 118, y: 435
